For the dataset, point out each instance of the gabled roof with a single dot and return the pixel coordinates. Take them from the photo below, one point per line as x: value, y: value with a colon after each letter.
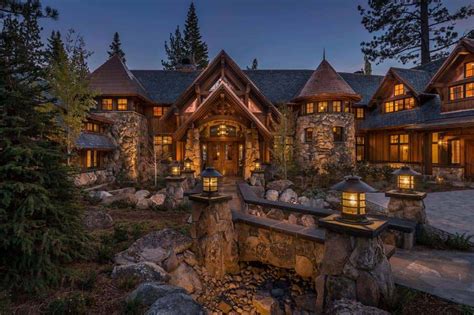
x: 416, y: 80
x: 88, y: 140
x: 114, y: 78
x: 326, y: 82
x: 464, y: 45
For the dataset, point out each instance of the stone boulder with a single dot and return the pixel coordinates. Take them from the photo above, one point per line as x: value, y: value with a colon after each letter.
x: 276, y: 214
x: 289, y: 195
x: 190, y: 258
x: 185, y: 277
x: 345, y: 306
x: 121, y: 191
x: 272, y: 195
x: 143, y: 204
x: 308, y: 220
x: 280, y: 185
x: 147, y: 293
x: 144, y: 271
x: 154, y: 247
x: 265, y: 304
x: 97, y: 219
x: 141, y: 194
x: 126, y: 198
x: 303, y: 200
x: 175, y: 304
x: 304, y: 267
x: 100, y: 195
x: 157, y: 199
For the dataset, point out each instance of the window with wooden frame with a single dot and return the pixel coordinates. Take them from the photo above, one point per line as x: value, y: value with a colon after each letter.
x: 309, y: 108
x: 469, y: 70
x: 398, y: 89
x: 338, y: 134
x: 389, y: 108
x: 92, y: 127
x: 322, y: 107
x: 360, y: 148
x: 359, y: 113
x: 400, y: 104
x: 469, y: 89
x: 164, y: 142
x: 456, y: 92
x: 399, y: 148
x: 91, y: 159
x: 122, y: 104
x: 308, y: 135
x: 289, y: 147
x: 158, y: 111
x: 337, y: 106
x: 445, y: 150
x: 347, y: 107
x: 409, y: 103
x: 107, y: 104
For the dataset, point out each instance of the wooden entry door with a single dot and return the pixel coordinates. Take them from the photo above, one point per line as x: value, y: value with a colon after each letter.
x: 469, y: 167
x: 223, y: 156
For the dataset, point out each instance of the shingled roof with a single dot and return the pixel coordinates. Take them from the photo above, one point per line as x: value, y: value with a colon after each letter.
x: 88, y: 140
x: 415, y: 79
x: 325, y: 81
x: 114, y: 78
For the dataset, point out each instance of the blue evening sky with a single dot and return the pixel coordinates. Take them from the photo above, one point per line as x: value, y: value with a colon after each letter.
x: 281, y: 34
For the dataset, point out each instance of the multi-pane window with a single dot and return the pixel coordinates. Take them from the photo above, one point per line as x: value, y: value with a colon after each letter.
x: 107, y: 104
x: 445, y: 150
x: 347, y: 107
x: 409, y: 103
x: 337, y: 106
x: 309, y: 108
x: 360, y: 113
x: 158, y: 111
x: 92, y: 127
x: 360, y: 148
x: 308, y: 135
x: 469, y: 70
x: 399, y: 148
x: 469, y: 89
x: 122, y: 104
x: 389, y: 107
x: 165, y: 142
x: 401, y: 104
x: 399, y: 89
x: 91, y: 159
x: 456, y: 92
x: 322, y: 107
x: 338, y: 134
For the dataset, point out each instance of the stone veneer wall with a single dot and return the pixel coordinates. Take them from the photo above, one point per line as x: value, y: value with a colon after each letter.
x: 323, y: 149
x: 252, y: 150
x: 193, y: 150
x: 450, y: 174
x: 134, y: 156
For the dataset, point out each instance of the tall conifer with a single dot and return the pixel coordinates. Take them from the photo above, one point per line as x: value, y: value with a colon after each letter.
x: 116, y: 47
x: 196, y: 48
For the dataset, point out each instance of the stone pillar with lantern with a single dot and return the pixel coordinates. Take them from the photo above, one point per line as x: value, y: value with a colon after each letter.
x: 175, y: 185
x: 257, y: 177
x: 188, y: 173
x: 354, y: 265
x: 212, y: 230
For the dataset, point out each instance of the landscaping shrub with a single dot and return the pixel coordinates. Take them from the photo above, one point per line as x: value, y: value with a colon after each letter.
x: 138, y: 229
x: 87, y: 280
x: 459, y: 241
x: 133, y: 307
x: 120, y: 233
x: 128, y: 283
x: 74, y: 303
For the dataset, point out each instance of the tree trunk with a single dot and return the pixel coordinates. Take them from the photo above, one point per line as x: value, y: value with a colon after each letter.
x: 425, y: 32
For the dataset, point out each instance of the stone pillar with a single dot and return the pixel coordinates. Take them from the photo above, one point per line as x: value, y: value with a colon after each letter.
x: 407, y: 205
x: 175, y: 186
x: 354, y: 265
x: 257, y: 178
x: 212, y: 231
x: 190, y: 179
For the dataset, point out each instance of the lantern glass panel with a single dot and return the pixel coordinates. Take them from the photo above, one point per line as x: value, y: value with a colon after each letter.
x: 353, y: 203
x: 209, y: 184
x: 187, y: 165
x: 405, y: 181
x: 175, y: 170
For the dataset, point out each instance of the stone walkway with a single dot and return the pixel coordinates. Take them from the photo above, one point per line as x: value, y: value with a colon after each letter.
x: 229, y: 187
x: 446, y: 274
x: 451, y: 211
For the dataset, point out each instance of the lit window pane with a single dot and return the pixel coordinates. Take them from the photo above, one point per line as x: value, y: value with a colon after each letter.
x: 107, y: 104
x: 309, y: 108
x: 158, y: 111
x: 456, y: 92
x: 469, y: 89
x: 455, y: 151
x: 337, y: 106
x: 399, y: 89
x: 122, y: 104
x: 322, y: 107
x: 469, y: 69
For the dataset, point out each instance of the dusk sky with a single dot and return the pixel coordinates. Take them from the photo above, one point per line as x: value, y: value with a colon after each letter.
x: 281, y: 34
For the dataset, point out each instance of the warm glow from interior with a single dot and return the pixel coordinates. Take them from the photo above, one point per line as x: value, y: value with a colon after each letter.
x: 405, y: 181
x: 353, y: 203
x: 175, y: 171
x: 209, y: 184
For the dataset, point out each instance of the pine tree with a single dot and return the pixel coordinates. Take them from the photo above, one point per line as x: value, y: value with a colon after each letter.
x: 195, y: 48
x: 254, y: 65
x: 116, y: 48
x: 40, y: 224
x: 410, y: 31
x: 55, y: 47
x: 175, y: 51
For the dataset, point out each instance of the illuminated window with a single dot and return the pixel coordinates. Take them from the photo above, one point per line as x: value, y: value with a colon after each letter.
x: 164, y: 142
x: 360, y: 114
x: 308, y: 135
x: 469, y: 70
x: 107, y: 104
x: 91, y: 159
x: 92, y: 127
x: 469, y: 89
x: 360, y: 148
x: 388, y: 107
x: 399, y: 148
x: 309, y: 108
x: 122, y: 104
x: 456, y: 92
x: 398, y: 105
x: 455, y: 151
x: 338, y: 134
x: 399, y: 89
x: 158, y: 111
x: 337, y: 106
x: 347, y: 107
x: 409, y: 103
x: 322, y: 107
x: 445, y: 150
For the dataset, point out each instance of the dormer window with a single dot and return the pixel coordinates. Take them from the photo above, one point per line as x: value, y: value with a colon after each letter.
x: 399, y: 89
x: 107, y: 104
x: 122, y: 104
x: 309, y: 109
x: 398, y: 105
x: 456, y: 92
x: 469, y: 70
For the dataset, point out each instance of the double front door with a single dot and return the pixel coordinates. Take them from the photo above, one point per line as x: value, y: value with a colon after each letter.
x: 224, y: 157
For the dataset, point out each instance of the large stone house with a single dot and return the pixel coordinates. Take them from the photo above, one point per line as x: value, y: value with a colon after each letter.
x: 226, y: 117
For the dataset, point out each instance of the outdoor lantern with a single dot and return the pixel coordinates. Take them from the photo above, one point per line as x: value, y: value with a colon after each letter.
x: 353, y: 200
x: 405, y: 178
x: 175, y: 170
x: 187, y: 164
x: 209, y: 181
x: 257, y: 164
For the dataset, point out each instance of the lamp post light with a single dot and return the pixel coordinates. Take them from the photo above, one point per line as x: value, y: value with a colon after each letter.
x: 210, y: 181
x: 405, y: 178
x: 175, y: 169
x: 257, y: 165
x: 187, y: 164
x: 353, y: 200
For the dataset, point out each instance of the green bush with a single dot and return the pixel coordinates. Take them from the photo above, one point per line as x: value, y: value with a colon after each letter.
x: 133, y: 307
x: 87, y: 280
x: 74, y: 303
x: 120, y: 233
x: 459, y: 241
x: 138, y: 229
x: 5, y: 303
x: 431, y: 240
x: 128, y: 283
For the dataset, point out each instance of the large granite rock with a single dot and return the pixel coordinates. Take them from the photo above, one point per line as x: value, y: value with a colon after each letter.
x: 100, y: 194
x: 141, y: 194
x: 185, y: 277
x: 126, y: 198
x: 121, y: 191
x: 346, y: 307
x: 147, y: 293
x: 157, y: 199
x: 280, y: 185
x: 175, y: 304
x: 289, y: 195
x: 97, y: 219
x: 144, y: 271
x: 272, y: 195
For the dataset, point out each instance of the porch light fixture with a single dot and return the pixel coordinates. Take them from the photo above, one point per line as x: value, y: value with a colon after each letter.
x: 175, y: 169
x: 405, y: 178
x: 210, y: 181
x: 187, y: 164
x: 353, y: 200
x: 222, y: 130
x: 257, y: 165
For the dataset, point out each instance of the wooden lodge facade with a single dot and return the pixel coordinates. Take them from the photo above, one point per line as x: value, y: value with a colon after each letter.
x: 226, y: 117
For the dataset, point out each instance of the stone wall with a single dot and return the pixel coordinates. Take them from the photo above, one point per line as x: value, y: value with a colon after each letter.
x: 323, y: 149
x: 193, y: 150
x: 93, y: 177
x: 252, y: 150
x: 278, y: 249
x: 449, y: 174
x: 133, y: 158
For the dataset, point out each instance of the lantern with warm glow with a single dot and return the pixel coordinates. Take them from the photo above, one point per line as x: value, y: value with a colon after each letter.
x: 257, y: 165
x: 405, y: 178
x: 187, y: 164
x: 210, y: 181
x: 353, y: 200
x: 175, y: 169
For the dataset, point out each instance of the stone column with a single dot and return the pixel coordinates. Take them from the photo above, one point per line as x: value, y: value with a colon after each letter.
x: 354, y: 265
x: 175, y: 186
x: 190, y: 179
x: 407, y: 205
x: 212, y: 231
x: 257, y: 178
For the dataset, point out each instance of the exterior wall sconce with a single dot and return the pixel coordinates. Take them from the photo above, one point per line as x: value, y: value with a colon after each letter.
x: 187, y: 164
x: 405, y: 178
x: 353, y: 200
x: 175, y: 169
x: 257, y: 165
x: 210, y: 181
